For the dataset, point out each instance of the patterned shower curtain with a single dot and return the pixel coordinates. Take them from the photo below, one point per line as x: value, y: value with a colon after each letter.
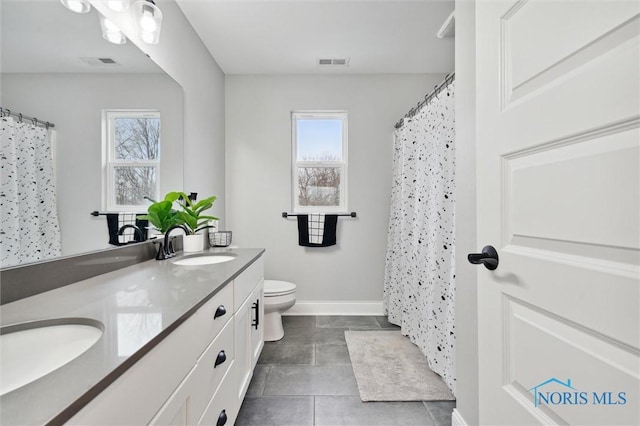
x: 419, y: 284
x: 30, y: 229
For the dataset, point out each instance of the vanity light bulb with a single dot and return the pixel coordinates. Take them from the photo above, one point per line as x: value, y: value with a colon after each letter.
x: 116, y: 38
x: 148, y: 18
x: 111, y: 32
x: 77, y: 6
x: 147, y: 23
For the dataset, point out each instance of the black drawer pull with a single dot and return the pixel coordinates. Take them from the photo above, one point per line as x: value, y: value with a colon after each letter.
x: 256, y: 321
x: 222, y: 418
x: 220, y: 311
x: 222, y: 357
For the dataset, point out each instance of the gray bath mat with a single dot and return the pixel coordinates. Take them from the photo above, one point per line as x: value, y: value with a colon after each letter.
x: 388, y: 367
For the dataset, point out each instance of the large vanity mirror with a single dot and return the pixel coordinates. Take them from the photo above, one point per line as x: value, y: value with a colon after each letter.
x: 56, y: 66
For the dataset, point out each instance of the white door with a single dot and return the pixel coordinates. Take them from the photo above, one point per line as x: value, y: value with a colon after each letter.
x: 558, y: 197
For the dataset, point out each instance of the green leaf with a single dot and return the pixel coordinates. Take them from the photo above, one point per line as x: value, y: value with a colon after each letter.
x: 173, y: 196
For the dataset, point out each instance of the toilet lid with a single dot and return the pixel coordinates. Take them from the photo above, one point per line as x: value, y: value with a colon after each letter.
x: 278, y: 288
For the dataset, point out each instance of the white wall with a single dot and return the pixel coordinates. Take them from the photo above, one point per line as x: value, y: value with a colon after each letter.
x: 74, y: 102
x: 258, y: 155
x: 466, y: 241
x: 182, y: 55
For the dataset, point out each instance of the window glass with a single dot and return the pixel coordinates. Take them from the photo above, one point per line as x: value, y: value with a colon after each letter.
x: 319, y: 186
x: 319, y: 140
x: 319, y: 162
x: 137, y: 138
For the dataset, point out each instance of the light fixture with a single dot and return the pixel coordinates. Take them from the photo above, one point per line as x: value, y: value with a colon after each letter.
x: 111, y: 32
x: 148, y: 20
x: 118, y: 5
x: 78, y: 6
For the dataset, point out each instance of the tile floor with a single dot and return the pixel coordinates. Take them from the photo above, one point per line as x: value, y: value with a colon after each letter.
x: 306, y: 379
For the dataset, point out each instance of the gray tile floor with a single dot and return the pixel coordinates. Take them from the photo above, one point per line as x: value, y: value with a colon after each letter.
x: 307, y: 379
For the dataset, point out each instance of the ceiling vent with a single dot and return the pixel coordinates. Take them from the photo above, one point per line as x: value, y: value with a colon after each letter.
x: 333, y: 62
x: 100, y: 61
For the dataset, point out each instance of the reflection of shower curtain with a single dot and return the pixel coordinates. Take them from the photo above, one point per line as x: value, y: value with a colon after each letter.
x: 419, y: 282
x: 30, y: 229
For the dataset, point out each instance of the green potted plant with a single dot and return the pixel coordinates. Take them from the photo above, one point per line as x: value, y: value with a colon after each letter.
x: 191, y: 216
x: 161, y: 214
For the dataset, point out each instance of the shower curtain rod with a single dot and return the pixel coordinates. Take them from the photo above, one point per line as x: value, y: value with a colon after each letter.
x: 4, y: 112
x: 437, y: 89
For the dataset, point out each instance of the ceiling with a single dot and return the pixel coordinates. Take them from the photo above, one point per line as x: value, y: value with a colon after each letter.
x: 244, y: 36
x: 41, y: 36
x: 288, y: 37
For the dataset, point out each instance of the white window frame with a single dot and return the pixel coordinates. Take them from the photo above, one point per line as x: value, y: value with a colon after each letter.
x: 109, y: 161
x: 342, y: 165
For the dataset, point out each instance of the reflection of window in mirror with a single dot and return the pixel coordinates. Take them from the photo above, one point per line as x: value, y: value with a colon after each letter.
x: 131, y: 159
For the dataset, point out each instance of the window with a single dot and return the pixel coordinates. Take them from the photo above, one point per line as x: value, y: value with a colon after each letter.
x: 319, y: 161
x: 132, y: 159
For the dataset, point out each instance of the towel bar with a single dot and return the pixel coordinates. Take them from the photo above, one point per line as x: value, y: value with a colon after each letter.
x: 97, y: 213
x: 285, y: 214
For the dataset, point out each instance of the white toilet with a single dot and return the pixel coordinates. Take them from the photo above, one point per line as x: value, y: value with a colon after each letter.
x: 278, y: 297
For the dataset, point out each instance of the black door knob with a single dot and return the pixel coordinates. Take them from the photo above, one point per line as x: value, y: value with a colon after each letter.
x: 488, y: 258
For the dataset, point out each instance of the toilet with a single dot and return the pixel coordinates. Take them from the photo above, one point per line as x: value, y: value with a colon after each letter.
x: 278, y: 297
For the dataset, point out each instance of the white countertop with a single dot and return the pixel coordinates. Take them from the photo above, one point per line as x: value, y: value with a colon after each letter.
x: 138, y: 305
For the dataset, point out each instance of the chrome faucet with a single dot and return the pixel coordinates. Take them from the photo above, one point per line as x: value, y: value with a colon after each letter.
x: 166, y: 251
x: 137, y: 231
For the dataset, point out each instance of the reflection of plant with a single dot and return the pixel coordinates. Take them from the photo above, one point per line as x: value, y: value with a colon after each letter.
x: 161, y: 214
x: 191, y: 214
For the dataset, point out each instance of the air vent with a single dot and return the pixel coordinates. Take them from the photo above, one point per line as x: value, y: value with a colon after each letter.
x: 100, y: 61
x: 333, y: 62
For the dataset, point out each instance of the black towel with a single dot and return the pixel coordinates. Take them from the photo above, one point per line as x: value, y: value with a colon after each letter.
x: 113, y: 226
x: 329, y: 234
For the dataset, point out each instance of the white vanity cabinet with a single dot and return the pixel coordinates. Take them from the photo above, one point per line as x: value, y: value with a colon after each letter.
x: 248, y: 300
x: 199, y: 373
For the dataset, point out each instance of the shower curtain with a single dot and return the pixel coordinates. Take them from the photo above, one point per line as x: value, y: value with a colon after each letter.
x: 419, y: 283
x: 30, y: 229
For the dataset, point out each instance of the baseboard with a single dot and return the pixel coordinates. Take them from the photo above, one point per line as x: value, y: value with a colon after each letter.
x: 456, y: 418
x: 335, y: 308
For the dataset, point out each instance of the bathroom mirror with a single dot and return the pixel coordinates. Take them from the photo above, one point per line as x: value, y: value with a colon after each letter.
x: 56, y: 66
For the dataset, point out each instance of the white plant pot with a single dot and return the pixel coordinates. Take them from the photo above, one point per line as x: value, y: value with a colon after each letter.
x: 192, y: 243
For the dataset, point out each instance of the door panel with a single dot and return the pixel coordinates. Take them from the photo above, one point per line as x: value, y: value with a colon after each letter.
x: 596, y: 169
x: 558, y: 159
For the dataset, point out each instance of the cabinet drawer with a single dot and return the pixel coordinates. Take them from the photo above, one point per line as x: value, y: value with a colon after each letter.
x: 211, y: 369
x: 213, y: 316
x: 244, y: 284
x: 223, y: 405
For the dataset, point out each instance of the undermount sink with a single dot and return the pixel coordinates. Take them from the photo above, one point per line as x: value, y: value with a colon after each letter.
x: 34, y: 349
x: 208, y: 259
